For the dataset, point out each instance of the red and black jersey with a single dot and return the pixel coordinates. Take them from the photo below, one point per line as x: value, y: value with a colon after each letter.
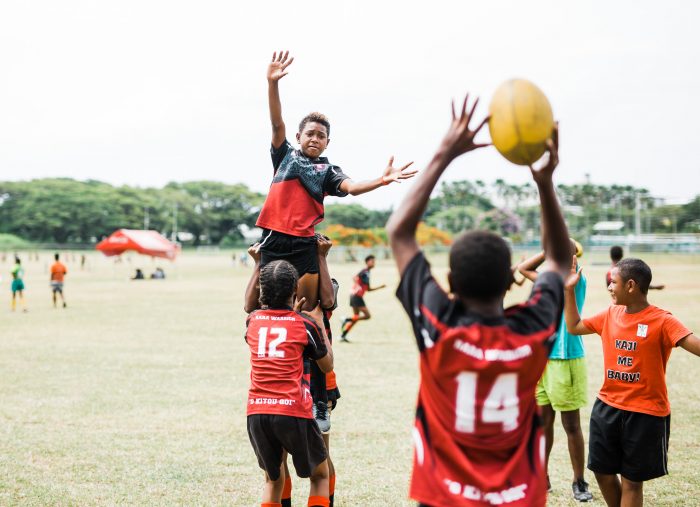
x: 294, y: 204
x: 477, y: 434
x: 279, y: 341
x: 360, y: 283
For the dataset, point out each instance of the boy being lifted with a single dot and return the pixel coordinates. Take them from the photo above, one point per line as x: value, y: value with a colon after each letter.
x: 301, y: 180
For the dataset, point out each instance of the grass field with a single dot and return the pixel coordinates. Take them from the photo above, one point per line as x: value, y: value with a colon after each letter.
x: 135, y: 394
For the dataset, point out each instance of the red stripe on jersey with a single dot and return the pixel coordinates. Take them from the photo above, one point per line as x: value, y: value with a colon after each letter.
x: 290, y: 209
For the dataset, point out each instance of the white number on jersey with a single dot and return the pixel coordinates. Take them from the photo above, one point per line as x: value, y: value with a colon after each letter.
x: 500, y: 406
x: 280, y: 333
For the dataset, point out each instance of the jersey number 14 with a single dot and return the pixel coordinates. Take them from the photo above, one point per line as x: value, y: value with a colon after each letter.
x: 500, y: 406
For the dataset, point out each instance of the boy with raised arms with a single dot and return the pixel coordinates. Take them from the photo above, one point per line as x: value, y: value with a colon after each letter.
x: 630, y: 420
x: 477, y: 436
x: 302, y: 178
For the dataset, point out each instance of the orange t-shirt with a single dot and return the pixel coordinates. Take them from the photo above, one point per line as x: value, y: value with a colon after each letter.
x: 58, y: 271
x: 636, y: 348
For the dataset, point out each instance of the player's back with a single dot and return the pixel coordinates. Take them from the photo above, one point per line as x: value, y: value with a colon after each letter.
x: 477, y: 436
x: 278, y: 342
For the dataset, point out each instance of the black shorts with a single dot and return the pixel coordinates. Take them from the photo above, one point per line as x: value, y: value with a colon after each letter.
x: 631, y: 444
x: 301, y: 252
x: 357, y: 302
x: 270, y: 435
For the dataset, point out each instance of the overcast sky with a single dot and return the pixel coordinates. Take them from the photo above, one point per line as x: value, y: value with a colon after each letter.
x: 151, y: 91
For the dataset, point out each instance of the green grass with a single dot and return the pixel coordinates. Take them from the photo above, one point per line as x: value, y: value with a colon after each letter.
x: 135, y: 394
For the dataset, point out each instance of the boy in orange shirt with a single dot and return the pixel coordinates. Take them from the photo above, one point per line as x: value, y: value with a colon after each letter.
x: 58, y: 273
x: 630, y: 421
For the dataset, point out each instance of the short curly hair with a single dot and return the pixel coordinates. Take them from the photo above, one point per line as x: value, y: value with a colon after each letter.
x: 278, y: 283
x: 316, y: 118
x: 480, y: 265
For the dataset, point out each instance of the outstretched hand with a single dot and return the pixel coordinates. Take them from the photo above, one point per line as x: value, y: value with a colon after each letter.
x: 278, y: 65
x: 459, y: 138
x: 324, y: 244
x: 396, y: 174
x: 545, y: 168
x: 574, y: 275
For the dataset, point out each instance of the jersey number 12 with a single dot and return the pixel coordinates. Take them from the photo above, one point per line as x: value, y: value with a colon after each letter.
x: 271, y: 349
x: 500, y: 406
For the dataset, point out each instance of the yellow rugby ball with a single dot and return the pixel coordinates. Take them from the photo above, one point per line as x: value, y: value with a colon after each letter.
x: 521, y: 121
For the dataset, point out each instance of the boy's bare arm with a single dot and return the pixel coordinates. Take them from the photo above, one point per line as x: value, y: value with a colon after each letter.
x: 555, y: 236
x: 528, y: 268
x: 691, y: 343
x: 252, y: 291
x: 325, y: 284
x: 391, y: 174
x: 403, y: 223
x: 276, y: 71
x: 574, y: 324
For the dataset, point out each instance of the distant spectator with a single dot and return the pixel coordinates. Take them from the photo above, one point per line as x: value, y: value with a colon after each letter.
x: 158, y: 274
x: 138, y: 275
x: 616, y: 255
x: 58, y: 273
x: 18, y: 285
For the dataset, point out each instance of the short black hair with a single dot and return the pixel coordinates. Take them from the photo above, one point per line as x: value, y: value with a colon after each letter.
x: 369, y: 258
x: 616, y: 253
x: 637, y: 270
x: 480, y: 265
x: 278, y: 282
x: 55, y: 256
x: 316, y: 118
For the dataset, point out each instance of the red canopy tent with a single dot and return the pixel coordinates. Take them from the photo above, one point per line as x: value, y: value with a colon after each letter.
x: 144, y: 242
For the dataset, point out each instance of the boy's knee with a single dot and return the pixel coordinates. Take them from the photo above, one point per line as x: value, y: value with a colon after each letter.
x: 320, y: 472
x: 571, y: 423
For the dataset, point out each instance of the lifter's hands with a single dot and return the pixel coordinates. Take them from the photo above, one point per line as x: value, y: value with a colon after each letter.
x: 277, y: 68
x: 459, y: 138
x: 397, y: 174
x: 543, y: 170
x: 316, y: 314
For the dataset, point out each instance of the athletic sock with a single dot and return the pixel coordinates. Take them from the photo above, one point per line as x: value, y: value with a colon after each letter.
x: 331, y: 490
x: 318, y: 501
x: 287, y: 493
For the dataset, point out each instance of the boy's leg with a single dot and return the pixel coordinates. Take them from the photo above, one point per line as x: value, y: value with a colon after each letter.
x: 287, y: 489
x: 358, y: 313
x: 308, y: 288
x: 53, y: 294
x: 319, y: 490
x: 331, y: 469
x: 632, y: 493
x: 272, y: 492
x: 611, y: 488
x: 548, y: 417
x: 571, y: 421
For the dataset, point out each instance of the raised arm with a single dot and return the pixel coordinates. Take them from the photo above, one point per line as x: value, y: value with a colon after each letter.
x: 252, y: 291
x: 528, y: 268
x: 403, y: 223
x: 555, y: 236
x: 691, y: 343
x: 391, y: 174
x: 276, y: 71
x: 574, y: 324
x: 325, y: 284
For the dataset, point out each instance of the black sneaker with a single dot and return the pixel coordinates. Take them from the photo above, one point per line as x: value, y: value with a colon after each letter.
x: 581, y: 493
x: 322, y: 416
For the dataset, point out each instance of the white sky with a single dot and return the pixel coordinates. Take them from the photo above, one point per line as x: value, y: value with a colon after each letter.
x: 150, y: 91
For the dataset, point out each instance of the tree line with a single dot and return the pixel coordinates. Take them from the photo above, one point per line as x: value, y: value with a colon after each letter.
x: 62, y: 210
